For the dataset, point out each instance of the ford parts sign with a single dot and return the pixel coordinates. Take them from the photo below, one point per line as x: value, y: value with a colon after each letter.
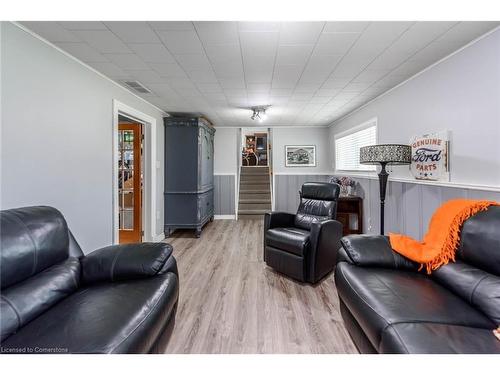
x: 429, y: 157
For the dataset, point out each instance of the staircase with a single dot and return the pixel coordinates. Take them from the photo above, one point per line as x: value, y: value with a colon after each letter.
x: 255, y: 193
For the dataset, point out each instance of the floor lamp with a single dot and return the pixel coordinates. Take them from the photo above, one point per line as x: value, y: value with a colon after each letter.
x: 384, y: 155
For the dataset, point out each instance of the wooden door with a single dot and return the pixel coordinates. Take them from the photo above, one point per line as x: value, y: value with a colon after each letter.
x: 130, y: 182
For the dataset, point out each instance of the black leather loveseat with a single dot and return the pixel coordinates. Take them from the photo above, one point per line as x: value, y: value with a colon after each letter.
x: 388, y: 306
x: 119, y: 299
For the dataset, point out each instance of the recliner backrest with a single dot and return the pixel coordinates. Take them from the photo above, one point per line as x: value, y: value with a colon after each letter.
x: 318, y: 202
x: 36, y: 268
x: 475, y: 276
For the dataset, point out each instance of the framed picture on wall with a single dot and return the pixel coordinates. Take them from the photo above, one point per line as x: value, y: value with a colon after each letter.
x: 300, y: 156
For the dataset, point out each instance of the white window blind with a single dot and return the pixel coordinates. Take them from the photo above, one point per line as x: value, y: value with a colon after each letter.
x: 347, y: 149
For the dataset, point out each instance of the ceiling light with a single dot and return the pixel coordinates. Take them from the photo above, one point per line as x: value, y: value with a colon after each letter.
x: 259, y: 113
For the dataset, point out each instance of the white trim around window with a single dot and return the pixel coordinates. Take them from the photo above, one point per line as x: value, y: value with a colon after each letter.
x: 347, y: 144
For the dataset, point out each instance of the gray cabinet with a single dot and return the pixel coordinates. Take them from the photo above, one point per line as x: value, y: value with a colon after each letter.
x: 189, y: 173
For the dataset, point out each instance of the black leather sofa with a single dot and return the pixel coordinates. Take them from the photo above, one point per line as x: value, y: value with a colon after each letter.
x: 54, y: 299
x: 304, y: 246
x: 388, y: 306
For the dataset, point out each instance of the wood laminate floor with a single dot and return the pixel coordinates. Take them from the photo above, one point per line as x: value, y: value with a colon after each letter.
x: 231, y: 302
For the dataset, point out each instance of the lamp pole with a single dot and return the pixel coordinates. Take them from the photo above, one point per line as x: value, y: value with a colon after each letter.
x: 382, y: 179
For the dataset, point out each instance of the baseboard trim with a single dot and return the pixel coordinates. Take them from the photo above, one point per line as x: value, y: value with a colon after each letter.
x: 225, y: 217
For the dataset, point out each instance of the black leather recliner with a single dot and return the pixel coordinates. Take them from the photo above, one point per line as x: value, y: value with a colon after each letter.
x: 54, y: 299
x: 388, y: 306
x: 304, y: 246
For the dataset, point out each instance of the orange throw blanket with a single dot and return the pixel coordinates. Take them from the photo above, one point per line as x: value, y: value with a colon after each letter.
x: 443, y: 236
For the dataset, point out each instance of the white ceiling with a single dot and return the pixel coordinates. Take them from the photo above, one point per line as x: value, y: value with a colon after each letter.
x: 310, y: 72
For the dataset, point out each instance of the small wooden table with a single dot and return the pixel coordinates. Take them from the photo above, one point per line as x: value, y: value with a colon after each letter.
x: 349, y: 206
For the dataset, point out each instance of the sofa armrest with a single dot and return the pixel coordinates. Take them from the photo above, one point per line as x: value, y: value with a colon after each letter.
x: 325, y: 243
x: 373, y: 251
x: 129, y: 261
x: 278, y: 220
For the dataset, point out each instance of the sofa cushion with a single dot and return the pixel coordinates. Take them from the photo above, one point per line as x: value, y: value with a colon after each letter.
x: 435, y: 338
x: 26, y: 300
x: 121, y: 317
x: 379, y: 298
x: 33, y: 239
x: 293, y: 240
x: 475, y: 286
x: 480, y: 240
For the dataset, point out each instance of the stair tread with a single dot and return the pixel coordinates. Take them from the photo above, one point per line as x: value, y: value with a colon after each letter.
x: 255, y: 200
x: 252, y: 212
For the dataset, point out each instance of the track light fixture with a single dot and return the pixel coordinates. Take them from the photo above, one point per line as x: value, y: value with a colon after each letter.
x: 259, y: 113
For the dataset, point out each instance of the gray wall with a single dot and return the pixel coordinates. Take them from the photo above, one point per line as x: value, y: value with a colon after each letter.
x: 287, y: 188
x: 304, y: 136
x: 460, y: 94
x: 409, y: 206
x: 224, y: 194
x: 225, y: 150
x: 56, y: 146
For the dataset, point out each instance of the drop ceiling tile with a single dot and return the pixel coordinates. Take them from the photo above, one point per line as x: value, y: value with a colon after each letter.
x: 259, y: 87
x: 209, y: 88
x: 345, y: 26
x: 181, y: 41
x: 307, y: 87
x: 133, y: 31
x: 217, y: 32
x: 356, y: 87
x: 163, y: 90
x: 82, y: 51
x: 202, y: 76
x: 259, y: 26
x: 180, y: 82
x: 294, y: 54
x: 128, y: 61
x: 229, y: 70
x: 146, y: 76
x: 109, y: 69
x: 193, y: 62
x: 437, y: 50
x: 259, y: 43
x: 168, y: 70
x: 52, y: 31
x: 232, y: 83
x: 286, y: 76
x: 223, y: 53
x: 300, y: 32
x: 188, y: 92
x: 103, y: 40
x: 83, y: 25
x: 172, y: 25
x: 301, y: 96
x: 327, y: 92
x: 419, y: 35
x: 281, y: 92
x: 336, y: 82
x: 370, y: 75
x: 152, y: 52
x: 335, y: 43
x: 466, y: 31
x: 235, y: 92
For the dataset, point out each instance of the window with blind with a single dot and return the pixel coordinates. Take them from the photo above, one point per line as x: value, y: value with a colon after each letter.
x: 347, y: 148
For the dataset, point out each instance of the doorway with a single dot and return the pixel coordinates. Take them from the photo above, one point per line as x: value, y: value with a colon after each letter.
x: 255, y: 152
x: 130, y: 180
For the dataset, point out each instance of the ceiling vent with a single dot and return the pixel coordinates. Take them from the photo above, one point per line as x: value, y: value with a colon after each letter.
x: 137, y: 87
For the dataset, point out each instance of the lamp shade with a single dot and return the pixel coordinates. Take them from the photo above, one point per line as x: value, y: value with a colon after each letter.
x: 388, y: 154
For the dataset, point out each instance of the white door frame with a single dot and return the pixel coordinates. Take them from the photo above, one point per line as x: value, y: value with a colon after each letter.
x: 149, y: 161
